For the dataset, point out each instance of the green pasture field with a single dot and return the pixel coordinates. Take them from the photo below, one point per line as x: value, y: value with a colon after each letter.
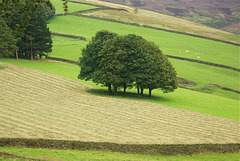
x: 169, y: 43
x: 181, y: 98
x: 67, y: 48
x: 201, y: 74
x: 204, y: 74
x: 154, y: 19
x: 72, y: 7
x: 68, y: 155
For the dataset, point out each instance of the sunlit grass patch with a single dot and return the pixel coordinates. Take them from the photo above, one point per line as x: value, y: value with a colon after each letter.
x: 181, y: 98
x: 169, y: 43
x: 72, y: 155
x: 67, y: 48
x: 72, y: 7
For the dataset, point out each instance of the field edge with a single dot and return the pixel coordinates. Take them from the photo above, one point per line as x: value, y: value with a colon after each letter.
x: 145, y: 149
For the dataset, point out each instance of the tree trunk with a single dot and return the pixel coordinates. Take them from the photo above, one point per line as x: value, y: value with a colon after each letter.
x: 141, y: 91
x: 31, y: 51
x: 150, y: 92
x: 110, y: 88
x: 138, y: 91
x: 34, y: 55
x: 31, y: 56
x: 125, y: 87
x: 115, y: 90
x: 16, y: 54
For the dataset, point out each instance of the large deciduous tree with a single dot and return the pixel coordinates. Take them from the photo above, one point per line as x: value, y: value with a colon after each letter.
x: 90, y: 60
x: 112, y: 67
x: 126, y: 61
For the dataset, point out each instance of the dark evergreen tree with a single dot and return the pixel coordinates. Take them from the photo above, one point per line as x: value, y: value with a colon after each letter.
x: 37, y: 39
x: 7, y: 40
x: 26, y: 7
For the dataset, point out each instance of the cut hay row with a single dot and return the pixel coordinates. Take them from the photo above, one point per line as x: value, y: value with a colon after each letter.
x: 35, y: 104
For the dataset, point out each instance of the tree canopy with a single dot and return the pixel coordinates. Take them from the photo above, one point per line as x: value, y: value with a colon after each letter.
x: 7, y: 40
x: 27, y: 20
x: 126, y: 61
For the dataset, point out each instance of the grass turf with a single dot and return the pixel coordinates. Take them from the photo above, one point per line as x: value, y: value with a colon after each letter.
x: 169, y: 43
x: 154, y: 19
x: 52, y: 154
x: 72, y: 7
x: 181, y: 98
x: 67, y: 48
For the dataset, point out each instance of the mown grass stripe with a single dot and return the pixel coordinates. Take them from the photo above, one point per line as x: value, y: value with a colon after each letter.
x: 102, y: 119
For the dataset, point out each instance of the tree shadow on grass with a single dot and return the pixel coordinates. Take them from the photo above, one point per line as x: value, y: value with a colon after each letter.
x: 127, y: 95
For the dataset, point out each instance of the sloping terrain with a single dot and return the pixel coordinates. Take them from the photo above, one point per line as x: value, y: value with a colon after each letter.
x: 150, y: 18
x: 35, y: 104
x: 235, y: 28
x: 212, y: 13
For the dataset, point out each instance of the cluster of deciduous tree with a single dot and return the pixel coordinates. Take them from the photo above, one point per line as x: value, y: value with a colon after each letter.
x: 24, y: 31
x: 126, y: 62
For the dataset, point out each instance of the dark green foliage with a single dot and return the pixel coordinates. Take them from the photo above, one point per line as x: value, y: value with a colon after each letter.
x: 147, y: 149
x: 7, y: 40
x: 37, y: 37
x: 90, y: 60
x: 17, y: 13
x: 148, y: 67
x: 27, y: 20
x: 126, y: 61
x: 113, y: 63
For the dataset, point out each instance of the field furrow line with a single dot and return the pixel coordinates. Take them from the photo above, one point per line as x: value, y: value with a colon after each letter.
x: 40, y: 105
x: 175, y: 125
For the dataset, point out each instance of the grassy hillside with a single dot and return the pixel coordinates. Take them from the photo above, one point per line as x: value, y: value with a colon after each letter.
x: 70, y: 49
x: 57, y: 106
x: 213, y: 13
x: 67, y: 48
x: 72, y: 155
x: 181, y: 98
x: 72, y: 7
x: 149, y: 18
x: 62, y: 109
x: 169, y: 43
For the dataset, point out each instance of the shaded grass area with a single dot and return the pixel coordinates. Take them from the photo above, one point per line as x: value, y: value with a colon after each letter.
x: 68, y: 155
x: 1, y: 67
x: 72, y: 7
x: 169, y: 43
x: 181, y: 98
